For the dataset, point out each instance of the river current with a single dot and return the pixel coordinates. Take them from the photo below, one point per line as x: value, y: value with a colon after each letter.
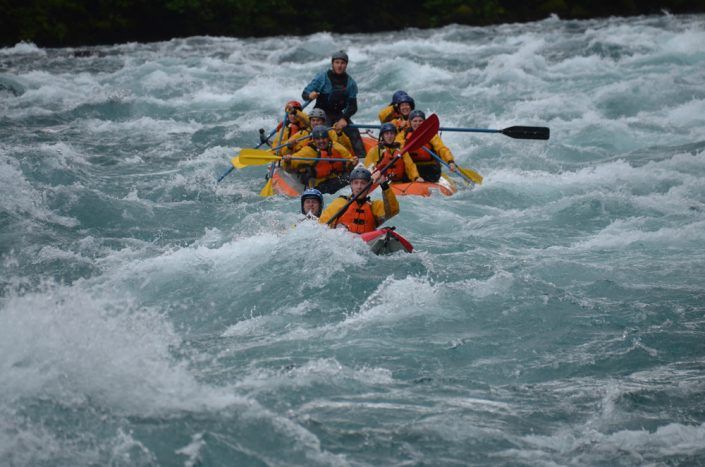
x: 554, y: 315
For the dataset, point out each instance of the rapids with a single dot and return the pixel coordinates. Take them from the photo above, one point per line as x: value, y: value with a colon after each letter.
x: 553, y: 315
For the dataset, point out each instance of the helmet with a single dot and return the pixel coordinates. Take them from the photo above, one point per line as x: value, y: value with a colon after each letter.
x: 317, y: 113
x: 319, y: 131
x: 360, y: 173
x: 387, y: 127
x: 293, y: 105
x: 406, y: 98
x: 340, y: 55
x: 397, y: 95
x: 416, y: 113
x: 312, y: 193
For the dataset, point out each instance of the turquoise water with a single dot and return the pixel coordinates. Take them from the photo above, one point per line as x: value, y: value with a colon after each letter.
x: 553, y: 315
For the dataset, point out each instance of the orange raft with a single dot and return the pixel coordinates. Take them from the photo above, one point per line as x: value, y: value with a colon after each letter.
x: 288, y: 184
x: 444, y: 186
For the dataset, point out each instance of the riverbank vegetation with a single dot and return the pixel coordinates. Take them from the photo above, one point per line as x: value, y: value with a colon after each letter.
x: 55, y: 23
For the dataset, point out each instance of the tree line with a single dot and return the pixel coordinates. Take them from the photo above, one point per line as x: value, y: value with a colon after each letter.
x: 57, y: 23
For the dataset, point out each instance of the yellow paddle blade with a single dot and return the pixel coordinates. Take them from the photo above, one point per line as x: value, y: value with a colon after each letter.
x: 257, y: 157
x: 235, y: 161
x: 471, y: 174
x: 267, y: 189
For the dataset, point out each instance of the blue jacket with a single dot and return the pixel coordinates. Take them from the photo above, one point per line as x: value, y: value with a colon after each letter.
x: 337, y: 94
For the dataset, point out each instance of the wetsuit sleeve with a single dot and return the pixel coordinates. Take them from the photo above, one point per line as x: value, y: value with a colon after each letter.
x: 441, y: 150
x: 331, y: 210
x: 316, y: 84
x: 386, y: 208
x: 412, y: 172
x: 386, y: 114
x: 351, y: 108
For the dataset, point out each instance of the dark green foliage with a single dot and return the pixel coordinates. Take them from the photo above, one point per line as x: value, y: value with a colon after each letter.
x: 83, y: 22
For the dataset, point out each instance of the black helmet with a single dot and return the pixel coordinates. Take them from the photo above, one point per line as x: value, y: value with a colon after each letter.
x: 360, y: 173
x: 312, y: 193
x: 319, y: 132
x: 416, y: 113
x: 340, y: 55
x: 317, y: 113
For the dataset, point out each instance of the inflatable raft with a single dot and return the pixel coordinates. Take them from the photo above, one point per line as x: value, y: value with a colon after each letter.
x: 385, y: 241
x: 288, y: 184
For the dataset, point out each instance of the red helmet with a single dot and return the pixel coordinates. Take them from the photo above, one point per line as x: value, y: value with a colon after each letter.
x: 293, y: 105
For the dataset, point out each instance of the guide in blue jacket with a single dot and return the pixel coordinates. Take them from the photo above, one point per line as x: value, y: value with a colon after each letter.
x: 336, y: 93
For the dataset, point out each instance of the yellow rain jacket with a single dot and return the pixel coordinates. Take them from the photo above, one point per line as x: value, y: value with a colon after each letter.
x: 293, y: 131
x: 376, y: 160
x: 390, y: 114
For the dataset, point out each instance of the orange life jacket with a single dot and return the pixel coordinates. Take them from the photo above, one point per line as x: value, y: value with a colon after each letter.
x: 419, y: 155
x: 396, y: 172
x: 324, y: 168
x: 358, y: 218
x: 401, y: 123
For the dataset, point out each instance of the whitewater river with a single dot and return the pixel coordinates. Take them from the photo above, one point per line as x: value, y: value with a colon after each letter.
x: 553, y: 315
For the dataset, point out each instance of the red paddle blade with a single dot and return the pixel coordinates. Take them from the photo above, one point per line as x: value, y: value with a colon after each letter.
x: 422, y: 134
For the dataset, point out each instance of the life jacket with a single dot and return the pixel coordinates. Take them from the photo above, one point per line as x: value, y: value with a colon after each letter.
x: 324, y: 169
x: 397, y: 171
x: 420, y: 155
x: 401, y: 122
x: 358, y: 218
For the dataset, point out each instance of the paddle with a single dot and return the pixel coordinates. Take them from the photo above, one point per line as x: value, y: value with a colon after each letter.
x: 468, y: 175
x: 238, y: 164
x: 518, y: 132
x: 421, y: 136
x: 262, y: 140
x: 258, y: 157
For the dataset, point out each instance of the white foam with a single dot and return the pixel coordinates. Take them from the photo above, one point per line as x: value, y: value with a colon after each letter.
x: 22, y: 48
x: 622, y: 233
x: 20, y: 198
x: 192, y: 450
x: 394, y: 300
x: 69, y: 345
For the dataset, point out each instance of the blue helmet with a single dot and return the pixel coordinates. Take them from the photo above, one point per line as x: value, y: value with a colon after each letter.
x: 397, y: 95
x: 312, y: 193
x: 406, y: 98
x: 387, y: 127
x: 319, y: 132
